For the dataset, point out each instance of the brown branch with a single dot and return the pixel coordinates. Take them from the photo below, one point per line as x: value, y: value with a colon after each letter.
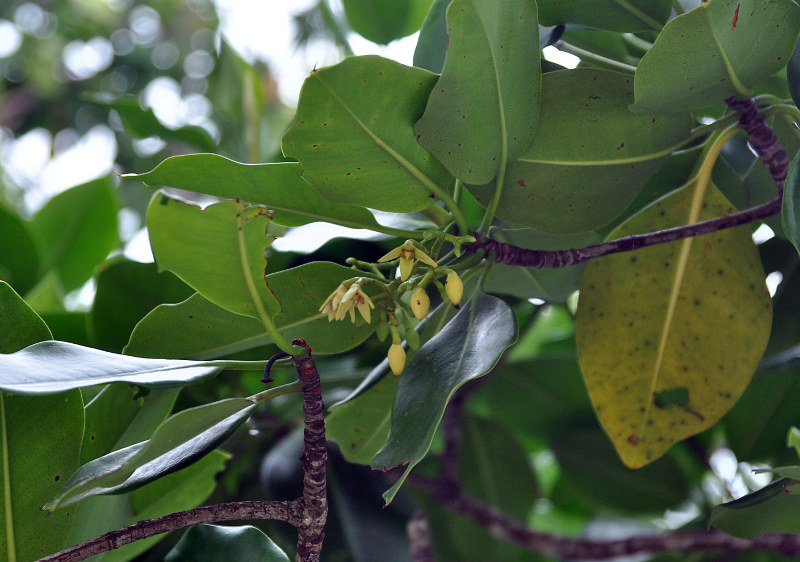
x: 761, y: 138
x: 307, y: 513
x: 503, y: 527
x: 311, y: 531
x: 289, y: 512
x: 419, y: 538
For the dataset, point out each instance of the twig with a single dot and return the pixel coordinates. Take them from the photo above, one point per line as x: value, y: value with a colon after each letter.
x: 419, y: 538
x: 307, y: 513
x: 501, y: 526
x: 763, y: 141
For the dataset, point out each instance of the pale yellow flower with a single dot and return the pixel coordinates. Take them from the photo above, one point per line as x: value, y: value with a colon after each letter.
x: 355, y: 298
x: 331, y: 304
x: 407, y: 253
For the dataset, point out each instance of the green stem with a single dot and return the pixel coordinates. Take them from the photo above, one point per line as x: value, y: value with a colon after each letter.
x: 676, y: 5
x: 438, y: 215
x: 595, y: 58
x: 646, y: 18
x: 295, y: 386
x: 339, y: 35
x: 636, y: 42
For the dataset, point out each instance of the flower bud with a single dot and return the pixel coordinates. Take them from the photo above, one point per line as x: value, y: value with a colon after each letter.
x: 454, y: 287
x: 397, y: 358
x: 420, y: 303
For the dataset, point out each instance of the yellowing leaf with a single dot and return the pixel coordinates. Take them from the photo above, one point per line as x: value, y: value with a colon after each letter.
x: 670, y: 335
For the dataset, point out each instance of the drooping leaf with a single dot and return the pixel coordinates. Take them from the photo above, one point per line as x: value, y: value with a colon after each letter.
x: 432, y: 42
x: 55, y: 366
x: 180, y: 440
x: 19, y: 324
x: 467, y: 348
x: 720, y: 49
x: 185, y: 489
x: 19, y: 260
x: 354, y: 139
x: 142, y: 123
x: 483, y: 110
x: 383, y: 21
x: 790, y: 211
x: 669, y: 336
x: 26, y: 533
x: 76, y: 230
x: 768, y: 510
x: 126, y: 291
x: 280, y: 187
x: 553, y: 285
x: 590, y: 156
x: 198, y: 329
x: 218, y: 543
x: 218, y: 251
x: 360, y: 426
x: 633, y: 15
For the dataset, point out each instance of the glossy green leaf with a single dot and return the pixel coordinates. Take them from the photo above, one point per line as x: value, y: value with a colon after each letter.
x: 219, y: 251
x: 26, y: 533
x: 185, y: 489
x: 19, y: 324
x: 198, y: 329
x: 126, y: 291
x: 383, y: 21
x: 489, y: 462
x: 613, y: 15
x: 790, y: 211
x: 19, y: 260
x: 354, y: 139
x: 218, y: 543
x: 281, y: 187
x: 553, y: 285
x: 141, y: 123
x: 590, y: 156
x: 361, y: 426
x: 589, y: 463
x: 768, y: 510
x: 55, y: 366
x: 720, y: 49
x: 76, y: 230
x: 432, y: 41
x: 483, y: 110
x: 669, y: 336
x: 179, y: 441
x: 467, y: 348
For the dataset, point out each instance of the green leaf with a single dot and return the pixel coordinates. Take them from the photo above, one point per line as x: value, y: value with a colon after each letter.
x: 361, y: 426
x: 669, y: 336
x: 490, y: 460
x: 142, y: 123
x: 432, y: 42
x: 35, y: 460
x: 553, y: 285
x: 126, y: 291
x: 613, y: 15
x: 467, y: 348
x: 217, y: 543
x: 768, y: 510
x: 483, y: 110
x: 720, y: 49
x: 76, y: 230
x: 19, y: 260
x: 354, y: 139
x: 179, y: 491
x: 178, y: 442
x: 218, y: 250
x: 590, y: 156
x: 793, y: 74
x: 589, y: 463
x: 55, y: 366
x: 790, y: 211
x: 199, y: 329
x: 19, y: 324
x: 383, y: 21
x: 281, y: 187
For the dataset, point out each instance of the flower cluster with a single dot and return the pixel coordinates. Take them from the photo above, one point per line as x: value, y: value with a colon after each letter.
x: 346, y: 300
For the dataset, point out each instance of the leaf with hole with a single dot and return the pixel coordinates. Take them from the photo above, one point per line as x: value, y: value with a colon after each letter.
x: 670, y: 335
